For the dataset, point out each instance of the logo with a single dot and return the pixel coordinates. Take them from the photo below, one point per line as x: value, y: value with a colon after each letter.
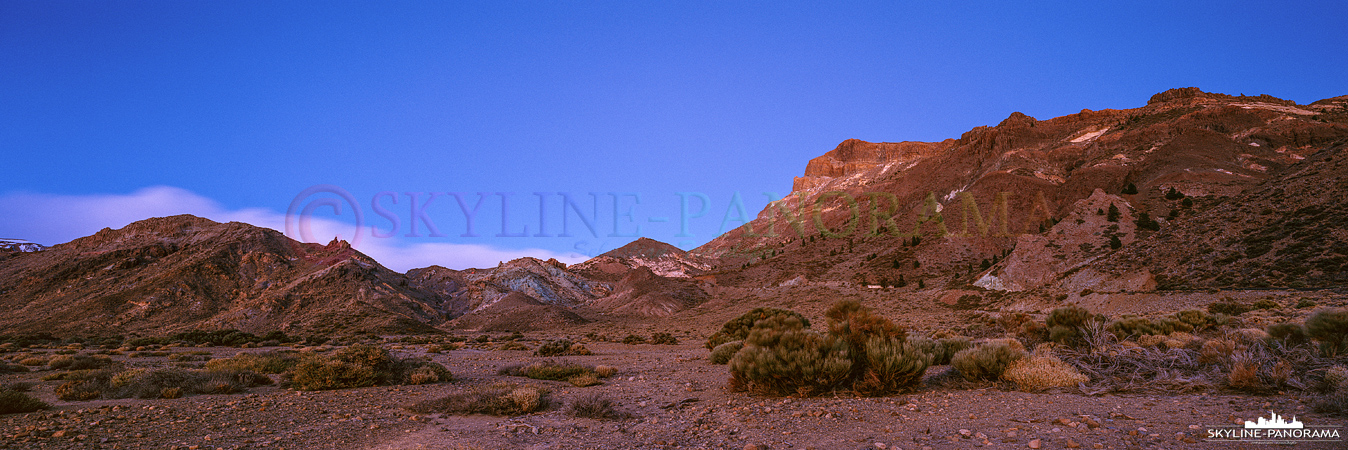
x: 1274, y: 429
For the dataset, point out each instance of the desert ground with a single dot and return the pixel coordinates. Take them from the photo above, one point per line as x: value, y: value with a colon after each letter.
x: 662, y: 396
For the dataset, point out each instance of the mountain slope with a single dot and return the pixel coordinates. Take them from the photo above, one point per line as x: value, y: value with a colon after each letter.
x: 165, y: 274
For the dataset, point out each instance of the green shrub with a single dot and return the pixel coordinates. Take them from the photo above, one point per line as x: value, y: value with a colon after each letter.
x: 1229, y: 308
x: 1306, y: 303
x: 1290, y: 334
x: 949, y: 347
x: 1330, y: 327
x: 989, y: 360
x: 722, y: 353
x: 512, y: 345
x: 12, y: 402
x: 1065, y: 324
x: 317, y: 374
x: 738, y: 329
x: 502, y: 399
x: 663, y: 339
x: 781, y: 357
x: 893, y: 363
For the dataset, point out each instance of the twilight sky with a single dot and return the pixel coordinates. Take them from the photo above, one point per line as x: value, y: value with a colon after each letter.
x: 111, y: 112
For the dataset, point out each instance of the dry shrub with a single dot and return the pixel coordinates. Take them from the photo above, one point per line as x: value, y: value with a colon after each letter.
x: 1244, y: 373
x: 33, y: 361
x: 633, y: 339
x: 722, y: 353
x: 1150, y: 340
x: 423, y: 375
x: 605, y: 371
x: 584, y: 380
x: 1336, y: 377
x: 1216, y: 351
x: 595, y: 406
x: 1041, y: 371
x: 434, y: 349
x: 1249, y: 336
x: 989, y: 360
x: 502, y: 399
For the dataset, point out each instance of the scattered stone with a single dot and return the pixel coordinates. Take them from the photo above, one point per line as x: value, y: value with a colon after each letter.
x: 1035, y: 443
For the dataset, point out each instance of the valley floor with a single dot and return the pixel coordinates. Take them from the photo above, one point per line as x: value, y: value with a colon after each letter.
x: 677, y: 399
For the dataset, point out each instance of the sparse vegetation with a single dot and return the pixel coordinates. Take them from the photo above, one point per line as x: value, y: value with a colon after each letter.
x: 633, y: 339
x: 154, y: 383
x: 595, y: 406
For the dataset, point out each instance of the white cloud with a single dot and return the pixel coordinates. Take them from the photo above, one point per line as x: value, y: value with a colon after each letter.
x: 51, y: 219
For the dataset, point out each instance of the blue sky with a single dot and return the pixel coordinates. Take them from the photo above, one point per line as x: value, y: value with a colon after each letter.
x: 116, y: 111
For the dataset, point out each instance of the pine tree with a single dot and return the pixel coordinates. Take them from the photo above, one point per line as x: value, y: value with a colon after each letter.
x: 1113, y: 215
x: 1114, y: 242
x: 1130, y: 189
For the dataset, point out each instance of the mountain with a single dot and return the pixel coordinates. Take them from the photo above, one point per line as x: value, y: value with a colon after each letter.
x: 662, y: 259
x: 1014, y: 206
x: 176, y: 273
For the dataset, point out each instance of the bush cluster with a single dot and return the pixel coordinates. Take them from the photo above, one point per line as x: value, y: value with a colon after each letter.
x: 225, y: 338
x: 362, y: 366
x: 562, y: 347
x: 737, y: 329
x: 154, y: 383
x: 663, y: 339
x: 863, y: 351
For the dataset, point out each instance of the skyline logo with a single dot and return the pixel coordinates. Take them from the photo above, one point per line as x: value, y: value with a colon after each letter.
x: 1274, y: 429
